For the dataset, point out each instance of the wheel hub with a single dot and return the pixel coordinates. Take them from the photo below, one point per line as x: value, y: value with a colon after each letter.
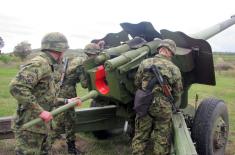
x: 220, y: 134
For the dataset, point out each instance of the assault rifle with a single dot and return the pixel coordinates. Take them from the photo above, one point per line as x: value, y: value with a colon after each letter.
x: 64, y: 71
x: 165, y: 87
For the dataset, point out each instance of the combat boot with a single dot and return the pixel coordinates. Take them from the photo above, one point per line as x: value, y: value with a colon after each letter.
x: 72, y: 148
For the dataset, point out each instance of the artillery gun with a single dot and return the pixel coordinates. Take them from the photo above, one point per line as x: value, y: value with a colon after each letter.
x: 197, y: 130
x: 112, y: 74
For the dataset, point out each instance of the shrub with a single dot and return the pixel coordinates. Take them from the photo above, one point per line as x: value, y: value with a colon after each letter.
x: 22, y: 50
x: 5, y: 58
x: 223, y: 67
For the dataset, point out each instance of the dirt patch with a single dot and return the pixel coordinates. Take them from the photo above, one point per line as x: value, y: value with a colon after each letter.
x: 230, y: 146
x: 7, y: 147
x: 60, y: 146
x: 120, y: 145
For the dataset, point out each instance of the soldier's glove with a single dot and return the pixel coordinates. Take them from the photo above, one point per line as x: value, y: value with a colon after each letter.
x: 46, y: 116
x: 75, y: 99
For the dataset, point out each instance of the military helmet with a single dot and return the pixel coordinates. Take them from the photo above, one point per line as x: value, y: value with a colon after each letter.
x: 168, y: 43
x: 92, y: 48
x: 54, y: 41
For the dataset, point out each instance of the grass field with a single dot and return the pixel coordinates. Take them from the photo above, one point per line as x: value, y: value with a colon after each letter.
x: 7, y: 103
x: 119, y: 145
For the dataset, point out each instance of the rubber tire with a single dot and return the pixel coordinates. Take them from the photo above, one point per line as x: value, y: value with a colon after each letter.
x: 100, y: 134
x: 206, y: 115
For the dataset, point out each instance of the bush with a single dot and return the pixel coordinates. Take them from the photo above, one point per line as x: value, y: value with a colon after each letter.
x: 22, y: 50
x: 5, y: 58
x: 223, y: 67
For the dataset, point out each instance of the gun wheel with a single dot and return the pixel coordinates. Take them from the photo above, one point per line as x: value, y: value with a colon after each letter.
x: 210, y: 127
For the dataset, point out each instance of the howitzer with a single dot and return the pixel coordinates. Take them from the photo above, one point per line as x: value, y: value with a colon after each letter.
x: 116, y: 51
x: 108, y: 53
x: 113, y: 78
x: 112, y: 74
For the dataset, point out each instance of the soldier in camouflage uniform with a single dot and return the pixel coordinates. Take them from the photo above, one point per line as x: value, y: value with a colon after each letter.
x: 35, y: 91
x: 157, y: 123
x: 91, y: 50
x: 74, y: 74
x: 65, y: 121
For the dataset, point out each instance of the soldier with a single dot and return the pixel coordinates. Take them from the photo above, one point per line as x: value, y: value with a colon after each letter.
x: 157, y: 122
x: 101, y: 44
x: 34, y: 89
x: 65, y: 121
x: 74, y: 74
x: 91, y: 50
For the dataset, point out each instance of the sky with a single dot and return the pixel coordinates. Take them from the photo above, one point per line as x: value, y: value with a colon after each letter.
x: 84, y: 20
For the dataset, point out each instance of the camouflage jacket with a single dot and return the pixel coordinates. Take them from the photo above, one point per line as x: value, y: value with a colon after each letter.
x: 73, y: 76
x: 34, y: 89
x: 168, y: 70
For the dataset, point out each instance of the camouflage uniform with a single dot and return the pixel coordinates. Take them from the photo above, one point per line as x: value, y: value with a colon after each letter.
x: 91, y: 50
x: 74, y: 74
x: 35, y: 91
x: 157, y: 123
x: 65, y: 121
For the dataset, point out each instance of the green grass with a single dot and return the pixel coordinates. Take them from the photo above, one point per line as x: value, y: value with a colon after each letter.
x: 226, y: 57
x: 7, y: 103
x: 224, y: 89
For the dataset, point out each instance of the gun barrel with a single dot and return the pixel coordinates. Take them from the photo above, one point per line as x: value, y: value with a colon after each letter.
x: 213, y: 30
x: 130, y: 55
x: 91, y: 94
x: 108, y: 53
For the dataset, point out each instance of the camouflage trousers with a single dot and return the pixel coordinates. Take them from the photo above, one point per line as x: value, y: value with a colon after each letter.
x: 156, y: 125
x: 64, y: 123
x: 29, y: 143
